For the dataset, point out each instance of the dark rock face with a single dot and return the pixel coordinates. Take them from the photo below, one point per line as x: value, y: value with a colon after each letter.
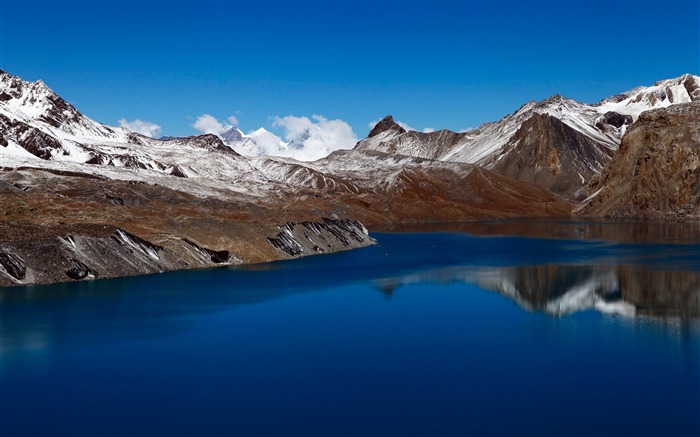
x: 216, y: 256
x: 298, y: 239
x: 177, y: 172
x: 79, y: 270
x: 614, y: 119
x: 33, y: 140
x: 692, y: 87
x: 12, y: 265
x: 656, y: 171
x: 548, y: 153
x: 386, y: 124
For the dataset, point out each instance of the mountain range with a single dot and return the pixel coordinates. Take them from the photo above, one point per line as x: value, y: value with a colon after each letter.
x: 81, y: 199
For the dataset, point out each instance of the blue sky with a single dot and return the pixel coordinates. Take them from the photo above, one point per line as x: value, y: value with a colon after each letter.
x: 438, y: 64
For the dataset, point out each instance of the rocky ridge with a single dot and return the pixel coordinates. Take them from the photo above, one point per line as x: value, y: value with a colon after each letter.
x: 531, y: 144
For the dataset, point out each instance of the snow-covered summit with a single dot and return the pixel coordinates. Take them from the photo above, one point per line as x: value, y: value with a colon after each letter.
x: 683, y: 89
x: 486, y: 143
x: 34, y: 102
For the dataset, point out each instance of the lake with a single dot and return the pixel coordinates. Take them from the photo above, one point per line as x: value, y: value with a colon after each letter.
x: 505, y: 328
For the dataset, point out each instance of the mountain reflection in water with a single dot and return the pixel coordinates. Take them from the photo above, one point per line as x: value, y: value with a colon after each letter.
x: 559, y: 290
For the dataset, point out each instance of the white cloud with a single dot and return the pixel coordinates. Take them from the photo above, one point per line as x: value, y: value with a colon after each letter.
x: 307, y: 139
x: 428, y: 130
x: 207, y: 124
x: 314, y: 138
x: 142, y: 127
x: 266, y: 143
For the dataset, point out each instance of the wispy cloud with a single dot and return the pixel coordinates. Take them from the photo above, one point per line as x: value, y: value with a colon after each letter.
x: 233, y: 121
x: 142, y: 127
x: 208, y: 124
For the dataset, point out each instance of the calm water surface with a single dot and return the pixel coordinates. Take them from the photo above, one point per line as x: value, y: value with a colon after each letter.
x: 495, y: 332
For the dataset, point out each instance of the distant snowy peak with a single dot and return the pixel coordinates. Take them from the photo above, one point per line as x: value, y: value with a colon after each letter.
x: 683, y: 89
x: 231, y: 135
x: 255, y: 143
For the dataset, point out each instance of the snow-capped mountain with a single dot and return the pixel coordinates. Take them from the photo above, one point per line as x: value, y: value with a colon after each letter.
x: 83, y: 200
x: 34, y: 102
x: 208, y: 164
x: 72, y: 188
x: 557, y: 143
x: 662, y: 94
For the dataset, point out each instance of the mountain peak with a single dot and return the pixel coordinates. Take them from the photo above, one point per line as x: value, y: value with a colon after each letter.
x: 385, y: 124
x: 556, y: 99
x: 231, y: 134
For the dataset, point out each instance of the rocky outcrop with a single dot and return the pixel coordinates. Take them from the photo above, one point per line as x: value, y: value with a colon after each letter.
x: 108, y: 252
x: 34, y: 141
x: 613, y: 119
x: 386, y: 124
x: 656, y: 171
x: 297, y: 239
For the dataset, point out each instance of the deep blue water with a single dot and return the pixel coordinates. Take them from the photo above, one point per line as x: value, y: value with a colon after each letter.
x: 438, y: 333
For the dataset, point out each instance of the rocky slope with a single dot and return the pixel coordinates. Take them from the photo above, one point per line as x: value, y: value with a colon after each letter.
x: 59, y: 226
x: 656, y: 171
x: 548, y: 153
